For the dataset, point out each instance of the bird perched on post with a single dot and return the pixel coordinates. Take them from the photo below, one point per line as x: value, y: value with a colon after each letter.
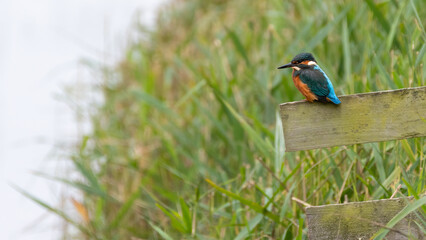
x: 311, y: 80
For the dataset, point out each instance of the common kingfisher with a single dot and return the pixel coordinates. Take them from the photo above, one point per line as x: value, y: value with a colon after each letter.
x: 311, y: 80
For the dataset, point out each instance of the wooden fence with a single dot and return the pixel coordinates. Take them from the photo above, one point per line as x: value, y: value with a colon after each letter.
x: 360, y: 118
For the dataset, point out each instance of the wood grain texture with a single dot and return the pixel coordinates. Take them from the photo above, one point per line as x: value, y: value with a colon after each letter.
x: 361, y: 220
x: 360, y: 118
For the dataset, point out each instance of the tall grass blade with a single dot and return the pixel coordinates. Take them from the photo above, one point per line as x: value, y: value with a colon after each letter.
x: 175, y: 219
x: 395, y: 24
x: 279, y: 143
x: 347, y: 57
x: 378, y: 14
x: 163, y: 234
x: 250, y: 226
x: 420, y: 56
x: 89, y: 189
x: 48, y: 207
x: 419, y: 20
x: 253, y: 205
x: 238, y: 45
x: 124, y: 210
x: 264, y: 146
x: 327, y: 29
x: 187, y: 218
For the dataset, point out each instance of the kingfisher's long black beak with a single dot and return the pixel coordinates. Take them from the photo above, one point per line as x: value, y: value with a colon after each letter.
x: 287, y: 65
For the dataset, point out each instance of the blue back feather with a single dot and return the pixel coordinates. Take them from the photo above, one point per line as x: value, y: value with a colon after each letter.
x: 331, y: 95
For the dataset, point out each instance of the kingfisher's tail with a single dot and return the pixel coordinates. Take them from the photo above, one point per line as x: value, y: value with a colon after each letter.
x: 333, y: 98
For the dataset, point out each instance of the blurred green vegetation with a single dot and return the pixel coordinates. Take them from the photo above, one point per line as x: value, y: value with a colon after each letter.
x: 187, y: 143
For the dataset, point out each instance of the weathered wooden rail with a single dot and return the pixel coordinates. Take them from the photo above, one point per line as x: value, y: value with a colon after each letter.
x: 361, y: 118
x: 361, y: 220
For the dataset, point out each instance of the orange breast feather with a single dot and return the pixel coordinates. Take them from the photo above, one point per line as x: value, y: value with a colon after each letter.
x: 303, y: 88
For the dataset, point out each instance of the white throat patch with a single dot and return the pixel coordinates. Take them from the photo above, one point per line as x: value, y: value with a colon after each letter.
x: 296, y: 68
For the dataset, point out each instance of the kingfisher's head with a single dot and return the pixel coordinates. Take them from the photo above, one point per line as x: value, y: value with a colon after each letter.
x: 301, y: 60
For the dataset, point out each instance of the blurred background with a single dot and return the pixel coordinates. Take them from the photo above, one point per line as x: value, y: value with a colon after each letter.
x: 43, y: 47
x: 120, y: 122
